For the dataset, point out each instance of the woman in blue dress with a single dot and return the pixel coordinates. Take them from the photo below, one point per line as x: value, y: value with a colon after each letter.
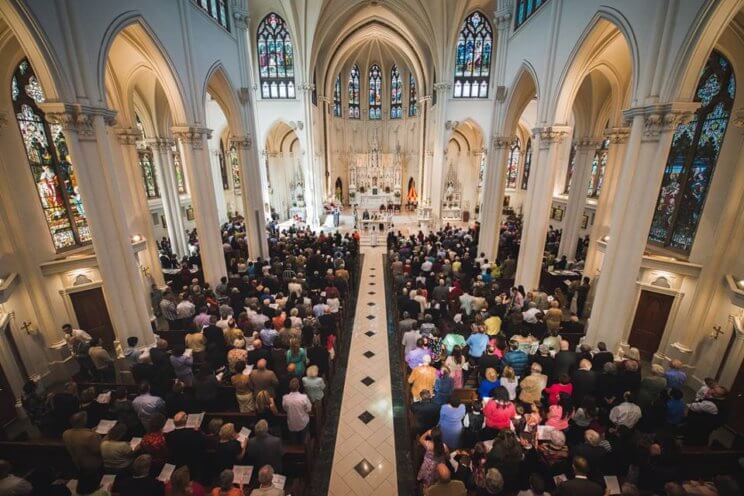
x: 450, y: 422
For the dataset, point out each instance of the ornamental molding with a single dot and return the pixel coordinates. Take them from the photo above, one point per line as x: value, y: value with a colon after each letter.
x: 127, y: 135
x: 160, y: 144
x: 661, y: 118
x: 738, y: 118
x: 498, y: 142
x: 306, y: 87
x: 76, y: 118
x: 617, y: 135
x: 449, y: 125
x: 442, y: 86
x: 241, y: 17
x: 551, y: 135
x: 502, y: 17
x: 192, y: 136
x: 296, y: 125
x: 242, y: 142
x: 590, y: 144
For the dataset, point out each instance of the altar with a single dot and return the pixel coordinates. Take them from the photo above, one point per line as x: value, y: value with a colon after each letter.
x: 375, y: 178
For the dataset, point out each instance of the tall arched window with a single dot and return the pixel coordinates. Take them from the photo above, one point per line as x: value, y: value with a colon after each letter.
x: 692, y: 158
x: 412, y: 96
x: 599, y: 164
x: 512, y: 166
x: 375, y: 92
x: 49, y: 160
x: 337, y: 97
x: 527, y: 164
x: 396, y: 93
x: 473, y: 57
x: 180, y: 179
x: 235, y: 168
x: 275, y: 58
x: 148, y: 173
x: 570, y: 171
x: 353, y: 90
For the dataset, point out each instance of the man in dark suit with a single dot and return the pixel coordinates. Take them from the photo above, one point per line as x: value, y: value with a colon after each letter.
x: 565, y: 361
x: 426, y: 412
x: 593, y: 453
x: 257, y: 353
x: 584, y: 381
x: 601, y: 357
x: 140, y: 481
x: 572, y: 325
x: 185, y: 445
x: 580, y: 485
x: 546, y: 361
x: 264, y: 449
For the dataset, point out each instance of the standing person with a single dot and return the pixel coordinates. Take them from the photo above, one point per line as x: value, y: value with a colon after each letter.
x: 450, y: 422
x: 265, y: 486
x: 436, y: 453
x: 581, y: 294
x: 182, y: 365
x: 79, y: 342
x: 10, y: 485
x: 83, y: 444
x: 102, y: 361
x: 298, y: 407
x: 169, y: 310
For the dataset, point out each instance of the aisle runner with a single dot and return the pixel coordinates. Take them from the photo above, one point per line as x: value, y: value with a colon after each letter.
x: 364, y: 458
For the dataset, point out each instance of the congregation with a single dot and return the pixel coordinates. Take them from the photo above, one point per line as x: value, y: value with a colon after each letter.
x: 238, y: 381
x: 506, y: 397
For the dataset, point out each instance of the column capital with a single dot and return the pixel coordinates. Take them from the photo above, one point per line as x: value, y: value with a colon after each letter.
x: 589, y: 144
x: 305, y: 87
x: 738, y: 118
x: 127, y: 135
x: 242, y: 142
x: 502, y: 17
x: 498, y: 142
x: 192, y: 136
x: 241, y: 18
x: 550, y: 135
x: 449, y: 125
x: 662, y: 117
x: 160, y: 144
x: 446, y: 85
x: 617, y: 134
x: 77, y: 118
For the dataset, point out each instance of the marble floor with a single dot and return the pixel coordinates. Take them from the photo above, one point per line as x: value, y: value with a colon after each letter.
x: 364, y: 461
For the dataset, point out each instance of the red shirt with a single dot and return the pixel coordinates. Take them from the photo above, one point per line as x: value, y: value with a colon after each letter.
x: 499, y: 416
x: 556, y: 389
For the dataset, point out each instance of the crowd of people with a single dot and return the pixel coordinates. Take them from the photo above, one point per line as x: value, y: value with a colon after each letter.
x: 269, y: 331
x: 503, y: 404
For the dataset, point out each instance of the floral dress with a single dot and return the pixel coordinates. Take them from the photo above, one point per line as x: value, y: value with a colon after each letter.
x: 427, y: 473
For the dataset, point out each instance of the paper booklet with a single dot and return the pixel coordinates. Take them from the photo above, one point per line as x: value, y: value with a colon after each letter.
x: 189, y: 352
x: 543, y: 432
x: 243, y: 474
x: 194, y: 420
x: 166, y: 473
x: 107, y: 481
x: 135, y: 442
x: 279, y: 481
x: 169, y: 426
x: 612, y: 484
x: 244, y: 434
x: 248, y: 369
x: 104, y: 426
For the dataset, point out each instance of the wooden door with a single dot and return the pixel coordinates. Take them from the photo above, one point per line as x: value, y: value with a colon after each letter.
x: 736, y: 415
x: 649, y: 322
x: 92, y: 315
x: 7, y: 400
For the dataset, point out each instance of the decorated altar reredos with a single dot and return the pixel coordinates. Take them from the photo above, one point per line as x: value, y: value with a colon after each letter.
x: 375, y: 178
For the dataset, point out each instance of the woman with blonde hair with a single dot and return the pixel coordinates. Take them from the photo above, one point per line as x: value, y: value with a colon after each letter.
x: 314, y: 385
x: 489, y: 382
x: 243, y: 391
x: 509, y: 381
x: 229, y: 451
x: 180, y: 484
x: 297, y: 356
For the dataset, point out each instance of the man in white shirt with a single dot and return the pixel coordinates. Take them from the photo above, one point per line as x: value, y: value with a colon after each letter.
x: 530, y: 315
x: 297, y: 406
x: 185, y: 309
x: 410, y: 338
x: 626, y: 413
x: 75, y: 336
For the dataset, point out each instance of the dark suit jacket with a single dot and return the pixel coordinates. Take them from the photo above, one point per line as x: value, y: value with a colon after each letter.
x: 584, y: 383
x: 426, y: 414
x: 579, y: 487
x: 186, y: 447
x: 129, y: 486
x: 565, y: 363
x: 265, y: 450
x: 600, y: 358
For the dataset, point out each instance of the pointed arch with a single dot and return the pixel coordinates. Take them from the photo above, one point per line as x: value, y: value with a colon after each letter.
x: 524, y: 88
x: 217, y: 83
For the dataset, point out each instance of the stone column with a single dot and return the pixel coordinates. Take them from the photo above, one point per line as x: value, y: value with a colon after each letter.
x: 140, y: 221
x: 538, y: 201
x: 162, y: 154
x: 585, y: 150
x: 493, y: 196
x: 195, y: 158
x: 633, y: 206
x: 422, y: 111
x: 252, y: 198
x: 618, y: 139
x: 85, y: 130
x: 438, y: 166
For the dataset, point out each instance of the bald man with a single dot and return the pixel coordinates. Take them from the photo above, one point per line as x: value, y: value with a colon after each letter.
x: 445, y: 486
x: 263, y: 379
x: 584, y: 381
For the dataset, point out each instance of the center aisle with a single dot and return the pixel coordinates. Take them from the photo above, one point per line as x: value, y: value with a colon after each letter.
x: 364, y: 458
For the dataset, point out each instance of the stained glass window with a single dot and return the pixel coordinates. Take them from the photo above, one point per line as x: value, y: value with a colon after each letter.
x: 396, y: 93
x: 412, y: 97
x: 473, y: 57
x: 375, y: 92
x: 527, y: 164
x: 180, y: 179
x: 570, y: 170
x: 353, y: 90
x: 275, y: 58
x: 599, y: 164
x: 148, y: 174
x: 217, y: 9
x: 337, y: 97
x: 235, y: 168
x: 525, y: 8
x: 692, y: 158
x: 223, y: 167
x: 49, y: 160
x: 512, y: 166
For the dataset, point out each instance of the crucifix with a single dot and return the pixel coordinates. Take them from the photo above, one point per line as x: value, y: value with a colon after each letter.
x: 26, y: 326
